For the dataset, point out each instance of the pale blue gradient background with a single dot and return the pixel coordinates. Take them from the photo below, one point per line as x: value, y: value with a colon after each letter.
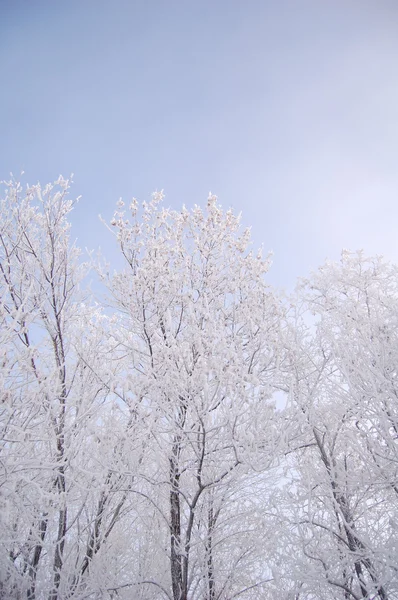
x: 287, y: 110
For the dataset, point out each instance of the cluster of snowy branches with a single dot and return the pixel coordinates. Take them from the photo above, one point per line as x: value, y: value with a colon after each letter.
x: 197, y: 436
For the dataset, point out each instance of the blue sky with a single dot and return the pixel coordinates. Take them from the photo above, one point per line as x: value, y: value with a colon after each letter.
x: 287, y: 110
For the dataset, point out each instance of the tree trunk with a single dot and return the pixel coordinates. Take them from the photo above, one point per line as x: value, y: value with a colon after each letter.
x: 175, y: 527
x: 31, y: 594
x: 211, y: 591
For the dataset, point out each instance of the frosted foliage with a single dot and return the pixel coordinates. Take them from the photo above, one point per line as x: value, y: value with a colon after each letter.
x: 341, y: 498
x: 199, y: 329
x: 194, y: 436
x: 59, y: 494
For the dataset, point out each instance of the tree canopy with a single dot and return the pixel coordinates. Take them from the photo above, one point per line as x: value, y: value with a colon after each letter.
x: 197, y: 435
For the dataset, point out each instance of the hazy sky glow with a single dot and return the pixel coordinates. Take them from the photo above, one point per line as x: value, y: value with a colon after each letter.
x: 288, y: 111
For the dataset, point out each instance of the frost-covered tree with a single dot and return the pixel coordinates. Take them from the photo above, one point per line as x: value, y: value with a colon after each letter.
x: 199, y: 328
x: 60, y: 499
x: 141, y: 451
x: 339, y: 514
x: 133, y: 446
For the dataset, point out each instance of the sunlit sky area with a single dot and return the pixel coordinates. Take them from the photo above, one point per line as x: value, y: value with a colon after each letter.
x: 286, y: 110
